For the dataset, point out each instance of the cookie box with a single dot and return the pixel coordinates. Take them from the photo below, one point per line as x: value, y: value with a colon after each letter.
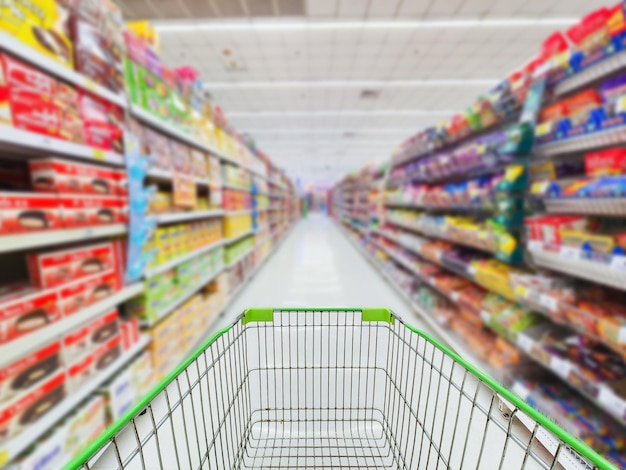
x: 93, y: 364
x: 61, y: 267
x: 129, y: 330
x: 25, y: 411
x: 119, y: 394
x: 22, y: 315
x: 28, y: 372
x: 48, y: 454
x: 96, y: 56
x: 84, y: 340
x: 41, y: 25
x: 62, y: 176
x: 85, y: 292
x: 86, y: 211
x: 25, y: 212
x: 85, y: 425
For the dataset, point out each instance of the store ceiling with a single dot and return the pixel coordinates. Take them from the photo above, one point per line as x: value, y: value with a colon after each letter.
x: 326, y: 86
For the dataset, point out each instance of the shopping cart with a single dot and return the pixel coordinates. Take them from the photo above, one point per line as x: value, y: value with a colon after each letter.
x: 330, y: 388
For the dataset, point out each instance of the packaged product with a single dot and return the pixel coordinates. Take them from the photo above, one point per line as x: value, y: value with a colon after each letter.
x: 93, y: 210
x: 606, y: 162
x: 103, y: 123
x: 50, y: 269
x: 31, y: 97
x: 48, y: 454
x: 52, y: 175
x: 40, y: 24
x: 23, y: 375
x: 85, y: 425
x: 85, y: 292
x: 22, y: 314
x: 26, y: 410
x: 24, y: 212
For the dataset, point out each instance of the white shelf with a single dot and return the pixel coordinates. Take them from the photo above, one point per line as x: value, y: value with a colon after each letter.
x: 24, y: 241
x: 18, y: 140
x: 181, y: 300
x: 166, y: 175
x: 184, y: 216
x: 590, y: 74
x: 236, y: 188
x: 148, y: 118
x: 20, y: 347
x: 238, y: 212
x: 239, y: 258
x: 41, y: 61
x: 612, y: 136
x: 232, y: 240
x: 9, y: 450
x: 181, y: 259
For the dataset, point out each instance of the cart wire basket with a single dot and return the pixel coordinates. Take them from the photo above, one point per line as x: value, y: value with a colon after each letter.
x: 330, y: 388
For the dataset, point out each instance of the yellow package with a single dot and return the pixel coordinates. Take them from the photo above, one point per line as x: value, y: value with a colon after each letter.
x: 40, y: 24
x: 574, y: 238
x: 162, y: 244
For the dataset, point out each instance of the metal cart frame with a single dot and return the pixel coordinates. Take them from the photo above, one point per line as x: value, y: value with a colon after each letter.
x: 330, y: 388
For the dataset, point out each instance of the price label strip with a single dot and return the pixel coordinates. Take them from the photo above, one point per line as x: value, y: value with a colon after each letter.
x: 612, y: 402
x: 525, y: 342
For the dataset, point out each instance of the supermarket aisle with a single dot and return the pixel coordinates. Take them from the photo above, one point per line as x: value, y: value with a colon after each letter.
x: 318, y: 267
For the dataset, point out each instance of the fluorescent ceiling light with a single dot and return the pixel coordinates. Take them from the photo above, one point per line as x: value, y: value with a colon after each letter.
x: 357, y: 131
x: 442, y: 82
x: 344, y: 112
x: 314, y: 25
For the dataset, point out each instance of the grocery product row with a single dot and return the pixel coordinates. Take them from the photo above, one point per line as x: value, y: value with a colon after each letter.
x: 133, y: 212
x: 511, y: 215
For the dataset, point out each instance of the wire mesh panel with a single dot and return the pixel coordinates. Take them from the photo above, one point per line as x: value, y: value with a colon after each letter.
x: 326, y: 389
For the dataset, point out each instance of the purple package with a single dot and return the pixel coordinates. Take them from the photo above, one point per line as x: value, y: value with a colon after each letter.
x: 153, y: 63
x: 613, y: 88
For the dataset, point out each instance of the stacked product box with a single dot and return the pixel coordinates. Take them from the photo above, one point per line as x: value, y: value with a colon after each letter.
x: 62, y: 283
x: 174, y: 241
x: 34, y: 384
x: 34, y: 101
x: 235, y: 225
x: 238, y: 249
x: 164, y: 289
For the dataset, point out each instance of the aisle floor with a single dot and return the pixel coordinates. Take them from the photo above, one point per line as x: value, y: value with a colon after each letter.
x: 317, y: 266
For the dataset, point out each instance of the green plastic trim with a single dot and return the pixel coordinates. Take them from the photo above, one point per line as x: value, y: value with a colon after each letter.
x: 569, y: 440
x: 377, y: 314
x: 258, y: 315
x: 118, y: 425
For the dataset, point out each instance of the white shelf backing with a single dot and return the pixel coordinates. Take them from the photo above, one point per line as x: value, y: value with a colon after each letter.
x: 21, y: 50
x: 181, y: 300
x: 20, y: 347
x: 184, y: 216
x: 165, y: 175
x: 181, y: 259
x: 10, y: 449
x: 171, y: 130
x: 230, y: 241
x: 612, y: 136
x: 591, y: 74
x: 24, y: 241
x: 25, y: 142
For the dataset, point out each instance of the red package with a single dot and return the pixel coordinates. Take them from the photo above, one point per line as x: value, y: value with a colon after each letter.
x: 93, y: 210
x: 121, y: 178
x: 25, y: 212
x: 55, y: 268
x: 28, y: 372
x: 103, y: 123
x: 104, y: 328
x: 24, y: 314
x: 551, y: 226
x: 71, y: 125
x: 81, y: 294
x: 606, y: 162
x: 27, y: 410
x: 79, y: 373
x: 54, y: 175
x: 31, y: 96
x: 76, y: 344
x: 106, y: 354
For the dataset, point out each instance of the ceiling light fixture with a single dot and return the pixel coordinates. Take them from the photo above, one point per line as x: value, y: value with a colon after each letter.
x: 314, y: 25
x: 344, y: 112
x: 440, y: 82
